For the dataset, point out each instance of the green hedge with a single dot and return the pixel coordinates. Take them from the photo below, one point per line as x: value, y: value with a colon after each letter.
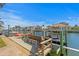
x: 2, y: 43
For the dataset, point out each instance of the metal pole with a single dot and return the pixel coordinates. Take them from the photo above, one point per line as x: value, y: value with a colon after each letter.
x: 66, y: 41
x: 61, y: 42
x: 44, y: 31
x: 8, y: 30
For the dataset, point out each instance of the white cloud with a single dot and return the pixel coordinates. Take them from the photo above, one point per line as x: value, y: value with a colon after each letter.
x: 12, y: 19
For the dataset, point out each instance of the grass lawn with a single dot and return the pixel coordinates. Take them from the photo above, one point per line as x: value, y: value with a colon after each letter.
x: 52, y: 53
x: 2, y: 43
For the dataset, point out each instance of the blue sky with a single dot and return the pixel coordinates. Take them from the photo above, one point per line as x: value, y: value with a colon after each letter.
x: 26, y: 14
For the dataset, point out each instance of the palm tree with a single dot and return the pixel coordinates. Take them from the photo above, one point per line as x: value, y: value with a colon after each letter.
x: 1, y: 22
x: 1, y: 25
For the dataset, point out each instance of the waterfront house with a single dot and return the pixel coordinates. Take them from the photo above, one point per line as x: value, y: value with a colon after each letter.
x: 17, y: 29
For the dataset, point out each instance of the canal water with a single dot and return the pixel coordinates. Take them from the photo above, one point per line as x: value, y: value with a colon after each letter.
x: 73, y: 42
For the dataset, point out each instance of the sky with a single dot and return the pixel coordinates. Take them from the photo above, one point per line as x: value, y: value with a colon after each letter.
x: 30, y: 14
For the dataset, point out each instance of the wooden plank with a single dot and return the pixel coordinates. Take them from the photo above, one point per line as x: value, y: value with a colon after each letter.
x: 46, y: 41
x: 47, y: 46
x: 47, y: 51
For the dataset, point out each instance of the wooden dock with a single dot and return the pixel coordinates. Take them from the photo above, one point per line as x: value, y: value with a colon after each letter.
x: 42, y: 49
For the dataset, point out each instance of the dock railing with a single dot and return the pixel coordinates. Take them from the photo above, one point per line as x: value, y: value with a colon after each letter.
x: 71, y: 51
